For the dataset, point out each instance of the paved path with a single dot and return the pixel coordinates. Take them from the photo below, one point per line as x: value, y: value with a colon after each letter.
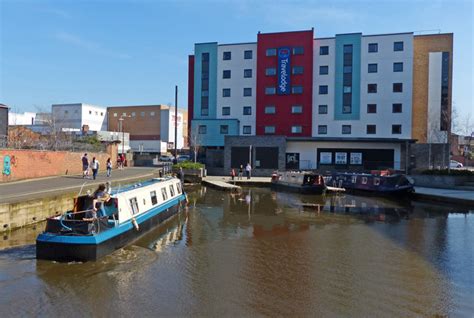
x: 37, y: 188
x: 446, y: 195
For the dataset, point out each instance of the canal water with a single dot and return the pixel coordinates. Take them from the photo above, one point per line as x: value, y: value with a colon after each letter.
x: 262, y: 253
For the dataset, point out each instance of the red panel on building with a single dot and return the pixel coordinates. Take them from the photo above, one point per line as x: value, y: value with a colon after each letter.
x: 283, y: 119
x: 190, y: 92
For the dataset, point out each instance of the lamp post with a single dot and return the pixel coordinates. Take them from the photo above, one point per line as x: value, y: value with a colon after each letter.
x: 123, y: 134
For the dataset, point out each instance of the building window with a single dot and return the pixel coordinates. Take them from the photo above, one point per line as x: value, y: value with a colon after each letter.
x: 270, y: 90
x: 398, y: 67
x: 372, y: 68
x: 226, y: 74
x: 371, y: 88
x: 66, y: 111
x: 142, y: 114
x: 296, y: 109
x: 224, y: 129
x: 226, y: 56
x: 248, y: 55
x: 271, y: 52
x: 296, y: 129
x: 297, y: 89
x: 398, y: 46
x: 202, y: 129
x: 396, y: 108
x: 346, y: 129
x: 204, y: 111
x: 347, y: 69
x: 225, y: 111
x: 269, y: 109
x: 373, y: 47
x: 247, y: 110
x: 322, y: 129
x: 347, y: 89
x: 133, y: 114
x: 90, y: 112
x: 269, y: 129
x: 248, y: 73
x: 371, y: 129
x: 323, y: 109
x: 247, y: 130
x: 115, y: 114
x: 323, y: 70
x: 299, y: 50
x: 347, y: 48
x: 226, y: 92
x: 324, y: 50
x: 396, y: 129
x: 297, y: 70
x: 397, y: 87
x: 371, y: 108
x: 347, y: 109
x: 247, y: 91
x: 270, y: 71
x: 152, y: 113
x: 323, y: 89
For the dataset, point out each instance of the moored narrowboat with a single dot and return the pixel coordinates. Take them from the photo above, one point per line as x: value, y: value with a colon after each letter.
x: 375, y: 182
x: 298, y: 181
x: 86, y: 233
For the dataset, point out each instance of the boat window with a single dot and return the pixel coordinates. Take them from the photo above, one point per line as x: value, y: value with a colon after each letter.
x: 364, y: 180
x: 376, y: 181
x: 164, y: 193
x: 144, y: 201
x: 171, y: 190
x: 154, y: 199
x: 354, y: 179
x: 178, y: 187
x: 134, y: 205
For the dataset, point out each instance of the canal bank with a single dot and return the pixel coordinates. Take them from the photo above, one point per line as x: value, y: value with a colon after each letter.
x: 27, y: 202
x: 451, y: 196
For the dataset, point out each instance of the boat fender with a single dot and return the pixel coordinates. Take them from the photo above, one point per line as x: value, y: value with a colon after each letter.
x: 135, y: 224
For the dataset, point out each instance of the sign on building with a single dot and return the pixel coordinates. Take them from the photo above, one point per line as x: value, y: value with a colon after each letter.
x: 341, y: 158
x: 356, y: 158
x: 284, y: 71
x: 325, y: 158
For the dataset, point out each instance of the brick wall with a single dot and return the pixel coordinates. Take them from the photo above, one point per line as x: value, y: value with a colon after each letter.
x: 28, y: 164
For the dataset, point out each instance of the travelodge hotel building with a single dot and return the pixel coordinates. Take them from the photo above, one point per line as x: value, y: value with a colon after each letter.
x: 293, y: 101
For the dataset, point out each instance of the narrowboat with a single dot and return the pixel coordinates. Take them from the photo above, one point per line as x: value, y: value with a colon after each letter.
x: 375, y: 182
x: 298, y: 181
x: 128, y: 213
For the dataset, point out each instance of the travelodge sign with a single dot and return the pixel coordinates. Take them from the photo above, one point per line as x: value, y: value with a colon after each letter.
x: 284, y: 71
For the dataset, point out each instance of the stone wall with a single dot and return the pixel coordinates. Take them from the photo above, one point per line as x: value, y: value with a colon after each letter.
x: 29, y: 164
x: 255, y: 142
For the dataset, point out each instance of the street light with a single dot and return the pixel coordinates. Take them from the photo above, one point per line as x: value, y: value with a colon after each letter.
x: 123, y: 132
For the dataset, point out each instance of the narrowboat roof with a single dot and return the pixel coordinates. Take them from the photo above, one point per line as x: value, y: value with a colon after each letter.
x: 139, y: 185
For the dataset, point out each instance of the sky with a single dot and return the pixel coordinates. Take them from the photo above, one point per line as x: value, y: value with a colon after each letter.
x: 124, y: 52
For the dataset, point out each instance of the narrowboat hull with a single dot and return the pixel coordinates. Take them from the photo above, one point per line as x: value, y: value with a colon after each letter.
x: 304, y: 189
x: 66, y: 248
x: 372, y: 184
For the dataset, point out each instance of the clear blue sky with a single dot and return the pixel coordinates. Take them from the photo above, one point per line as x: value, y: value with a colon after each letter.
x: 134, y: 52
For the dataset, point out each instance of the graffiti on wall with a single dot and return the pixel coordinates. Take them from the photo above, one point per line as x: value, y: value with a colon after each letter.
x: 6, y: 165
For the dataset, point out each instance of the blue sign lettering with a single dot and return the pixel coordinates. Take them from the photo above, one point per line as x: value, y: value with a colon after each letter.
x: 284, y: 73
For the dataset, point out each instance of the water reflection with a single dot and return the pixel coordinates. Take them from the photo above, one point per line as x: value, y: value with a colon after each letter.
x: 267, y: 253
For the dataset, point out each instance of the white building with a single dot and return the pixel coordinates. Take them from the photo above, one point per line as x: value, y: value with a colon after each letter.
x: 73, y: 117
x: 26, y: 118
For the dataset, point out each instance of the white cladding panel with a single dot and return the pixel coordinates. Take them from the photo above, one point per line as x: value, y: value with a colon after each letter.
x: 25, y: 118
x: 308, y: 150
x: 329, y: 80
x: 74, y: 116
x: 237, y: 64
x: 167, y: 121
x: 435, y: 135
x: 385, y: 78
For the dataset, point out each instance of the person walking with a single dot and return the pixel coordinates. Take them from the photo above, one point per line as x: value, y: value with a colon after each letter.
x: 241, y: 172
x: 95, y: 167
x: 248, y: 170
x: 85, y: 166
x: 181, y: 175
x: 109, y: 167
x: 232, y: 174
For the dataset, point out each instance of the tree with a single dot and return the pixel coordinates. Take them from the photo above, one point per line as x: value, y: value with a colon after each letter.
x: 195, y: 141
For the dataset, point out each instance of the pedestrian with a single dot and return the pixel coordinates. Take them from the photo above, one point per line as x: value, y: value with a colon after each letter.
x: 241, y: 172
x: 232, y: 174
x: 119, y: 162
x: 248, y: 170
x: 109, y: 167
x: 124, y: 161
x: 95, y: 167
x: 181, y: 175
x: 85, y: 166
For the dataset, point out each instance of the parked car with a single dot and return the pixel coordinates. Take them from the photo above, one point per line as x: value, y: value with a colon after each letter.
x: 184, y: 158
x: 166, y: 158
x: 455, y: 164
